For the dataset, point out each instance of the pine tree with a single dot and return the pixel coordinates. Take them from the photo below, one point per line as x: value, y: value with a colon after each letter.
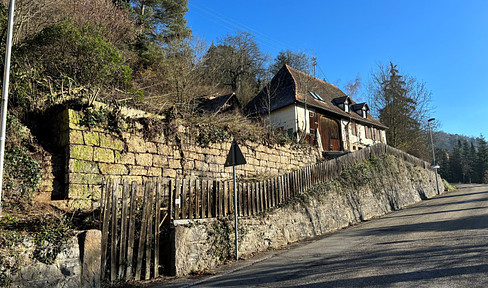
x: 455, y: 163
x: 397, y: 111
x: 482, y: 160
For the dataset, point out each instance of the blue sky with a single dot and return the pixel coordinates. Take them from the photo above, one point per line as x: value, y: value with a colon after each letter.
x: 443, y: 43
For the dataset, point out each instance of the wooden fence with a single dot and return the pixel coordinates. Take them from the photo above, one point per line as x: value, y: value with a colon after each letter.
x: 134, y: 216
x: 195, y: 199
x: 132, y: 222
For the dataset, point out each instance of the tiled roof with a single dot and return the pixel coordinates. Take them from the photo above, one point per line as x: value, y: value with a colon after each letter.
x: 219, y: 104
x: 290, y: 85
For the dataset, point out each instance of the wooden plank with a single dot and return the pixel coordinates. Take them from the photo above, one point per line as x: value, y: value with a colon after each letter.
x: 167, y: 184
x: 149, y: 234
x: 262, y: 206
x: 157, y: 228
x: 176, y: 191
x: 132, y: 225
x: 240, y: 203
x: 105, y: 227
x: 102, y: 203
x: 249, y: 199
x: 220, y: 202
x: 204, y: 199
x: 209, y: 199
x: 191, y: 195
x: 225, y: 190
x: 253, y: 198
x: 123, y: 230
x: 198, y: 194
x: 113, y: 234
x: 184, y: 199
x: 142, y: 236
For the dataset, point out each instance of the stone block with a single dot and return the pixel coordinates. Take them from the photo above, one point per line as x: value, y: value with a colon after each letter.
x: 80, y: 166
x: 154, y: 172
x: 125, y: 158
x: 79, y: 191
x: 151, y: 147
x: 91, y: 138
x: 76, y: 137
x: 81, y: 152
x: 159, y: 160
x: 174, y: 164
x: 103, y: 155
x: 73, y: 118
x: 90, y: 267
x: 169, y: 173
x: 106, y: 140
x: 136, y: 144
x: 144, y: 159
x: 200, y: 165
x: 81, y: 178
x: 137, y: 171
x: 113, y: 169
x: 164, y: 149
x: 118, y: 144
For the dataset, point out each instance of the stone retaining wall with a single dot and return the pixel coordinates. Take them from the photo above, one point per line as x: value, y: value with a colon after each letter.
x: 197, y: 243
x: 76, y: 266
x: 95, y: 153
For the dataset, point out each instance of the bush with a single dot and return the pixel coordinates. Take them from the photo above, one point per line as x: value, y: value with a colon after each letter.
x: 63, y: 56
x: 22, y: 171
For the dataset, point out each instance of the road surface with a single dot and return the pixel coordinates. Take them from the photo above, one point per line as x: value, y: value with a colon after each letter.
x: 441, y: 242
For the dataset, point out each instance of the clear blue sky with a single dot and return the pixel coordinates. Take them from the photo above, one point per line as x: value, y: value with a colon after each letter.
x: 443, y: 43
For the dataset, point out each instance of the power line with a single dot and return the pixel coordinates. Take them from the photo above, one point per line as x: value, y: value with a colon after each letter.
x: 262, y: 38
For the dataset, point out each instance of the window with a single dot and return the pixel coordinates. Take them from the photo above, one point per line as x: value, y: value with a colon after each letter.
x: 365, y: 115
x: 346, y: 107
x: 354, y: 127
x: 316, y: 96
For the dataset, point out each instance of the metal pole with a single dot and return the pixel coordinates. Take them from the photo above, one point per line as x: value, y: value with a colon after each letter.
x: 6, y: 76
x: 235, y: 199
x: 433, y: 154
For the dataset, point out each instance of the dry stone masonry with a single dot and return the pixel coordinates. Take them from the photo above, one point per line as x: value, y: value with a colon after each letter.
x: 94, y: 154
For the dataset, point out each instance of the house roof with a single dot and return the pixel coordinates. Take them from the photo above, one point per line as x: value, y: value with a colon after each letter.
x: 219, y: 104
x: 290, y: 86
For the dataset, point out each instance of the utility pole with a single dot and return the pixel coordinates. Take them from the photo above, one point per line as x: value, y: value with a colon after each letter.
x: 6, y: 76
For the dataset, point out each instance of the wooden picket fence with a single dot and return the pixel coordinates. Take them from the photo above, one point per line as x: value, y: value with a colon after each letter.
x: 196, y: 199
x: 133, y: 215
x: 132, y: 218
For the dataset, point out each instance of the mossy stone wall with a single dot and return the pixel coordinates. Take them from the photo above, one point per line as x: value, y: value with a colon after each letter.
x: 95, y: 153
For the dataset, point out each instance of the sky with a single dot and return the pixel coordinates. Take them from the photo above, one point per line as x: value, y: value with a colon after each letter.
x: 442, y: 43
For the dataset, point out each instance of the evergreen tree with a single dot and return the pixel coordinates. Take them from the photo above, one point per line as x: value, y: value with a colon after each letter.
x: 455, y: 163
x: 442, y: 158
x: 297, y: 60
x: 482, y: 160
x: 397, y: 111
x: 161, y: 21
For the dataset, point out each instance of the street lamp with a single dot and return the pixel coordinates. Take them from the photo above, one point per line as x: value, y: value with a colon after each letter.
x: 434, y: 164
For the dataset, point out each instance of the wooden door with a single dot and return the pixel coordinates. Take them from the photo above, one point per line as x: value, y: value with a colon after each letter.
x: 330, y: 134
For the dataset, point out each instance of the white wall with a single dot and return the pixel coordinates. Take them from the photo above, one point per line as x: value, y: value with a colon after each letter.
x: 283, y: 118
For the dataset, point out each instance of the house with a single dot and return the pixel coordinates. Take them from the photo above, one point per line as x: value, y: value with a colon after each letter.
x: 219, y: 104
x: 316, y: 111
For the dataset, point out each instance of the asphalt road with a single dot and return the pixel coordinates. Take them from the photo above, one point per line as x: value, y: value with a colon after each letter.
x: 441, y: 242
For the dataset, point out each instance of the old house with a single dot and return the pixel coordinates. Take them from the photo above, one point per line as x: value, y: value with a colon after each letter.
x: 316, y: 111
x: 219, y: 104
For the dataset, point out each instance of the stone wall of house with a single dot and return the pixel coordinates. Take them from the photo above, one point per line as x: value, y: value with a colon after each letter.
x: 199, y: 244
x: 94, y: 154
x: 76, y: 266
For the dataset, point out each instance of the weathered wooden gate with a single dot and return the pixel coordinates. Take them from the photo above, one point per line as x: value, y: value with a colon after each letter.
x: 135, y: 226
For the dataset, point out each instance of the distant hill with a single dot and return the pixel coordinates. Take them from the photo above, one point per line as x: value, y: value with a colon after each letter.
x: 447, y: 141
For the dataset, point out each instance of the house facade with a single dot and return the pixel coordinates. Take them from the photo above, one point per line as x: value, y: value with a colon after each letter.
x: 315, y: 111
